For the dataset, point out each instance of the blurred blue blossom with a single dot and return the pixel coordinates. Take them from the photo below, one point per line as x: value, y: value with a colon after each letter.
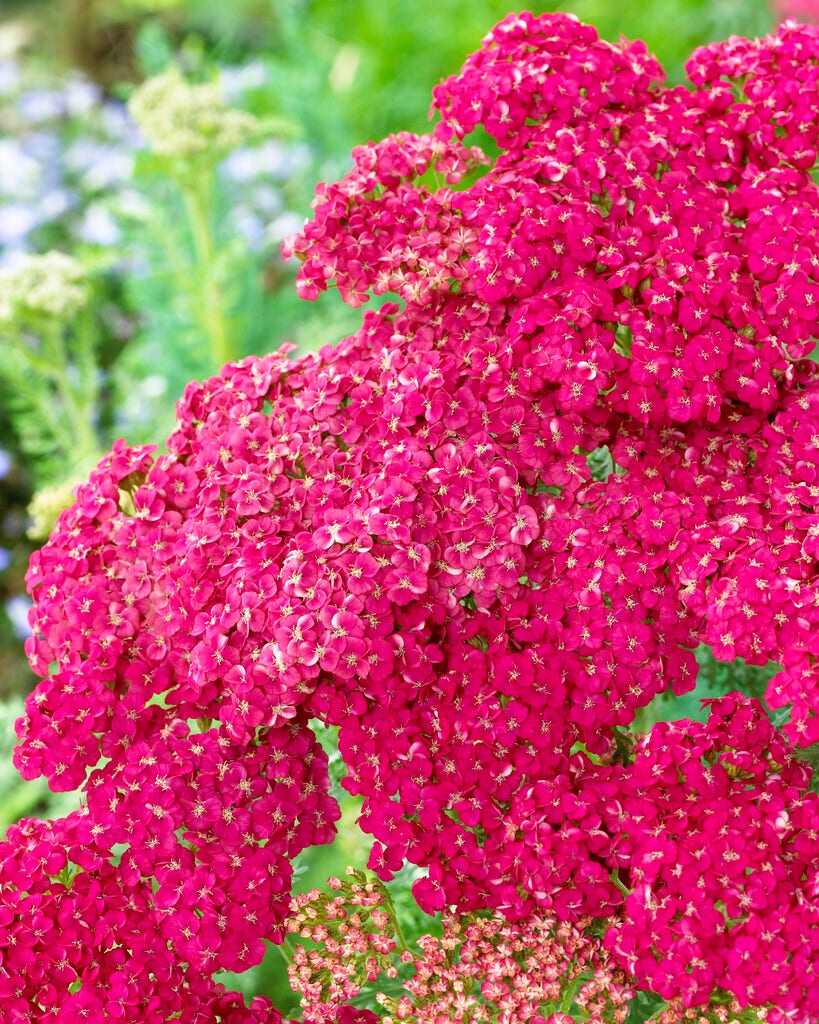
x: 99, y: 165
x: 260, y: 171
x: 272, y: 160
x: 37, y: 105
x: 44, y: 146
x: 9, y: 77
x: 80, y: 96
x: 17, y: 609
x: 63, y: 148
x: 22, y: 173
x: 236, y: 81
x: 283, y: 226
x: 99, y: 227
x: 17, y: 220
x: 247, y: 223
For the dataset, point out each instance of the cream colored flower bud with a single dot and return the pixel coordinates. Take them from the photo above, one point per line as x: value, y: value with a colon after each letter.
x: 188, y: 122
x: 51, y: 285
x: 46, y: 506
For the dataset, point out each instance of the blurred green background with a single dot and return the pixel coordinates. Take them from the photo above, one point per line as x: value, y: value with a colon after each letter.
x: 73, y: 176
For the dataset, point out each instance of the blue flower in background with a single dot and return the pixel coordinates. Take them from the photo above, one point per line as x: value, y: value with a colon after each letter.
x: 17, y: 609
x: 37, y: 105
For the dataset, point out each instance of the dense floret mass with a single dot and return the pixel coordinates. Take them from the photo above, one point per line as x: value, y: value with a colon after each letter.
x: 477, y: 537
x: 479, y: 970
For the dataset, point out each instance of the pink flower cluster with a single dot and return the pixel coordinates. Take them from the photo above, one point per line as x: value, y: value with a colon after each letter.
x: 83, y: 940
x: 403, y: 537
x: 407, y: 241
x: 352, y: 938
x: 719, y: 843
x: 480, y: 969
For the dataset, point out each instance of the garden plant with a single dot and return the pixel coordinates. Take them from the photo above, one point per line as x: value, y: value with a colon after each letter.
x: 462, y: 552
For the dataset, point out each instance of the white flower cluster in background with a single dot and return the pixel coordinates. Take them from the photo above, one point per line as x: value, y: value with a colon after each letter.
x: 53, y: 285
x: 186, y: 121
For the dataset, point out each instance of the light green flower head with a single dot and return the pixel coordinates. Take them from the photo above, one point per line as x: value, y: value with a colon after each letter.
x: 46, y: 505
x: 50, y: 286
x: 188, y: 122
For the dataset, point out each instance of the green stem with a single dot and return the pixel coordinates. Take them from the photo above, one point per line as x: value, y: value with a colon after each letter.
x: 22, y: 352
x: 86, y: 347
x: 568, y: 996
x: 69, y: 419
x: 197, y: 204
x: 50, y: 415
x: 80, y: 441
x: 618, y: 883
x: 399, y: 931
x: 287, y: 948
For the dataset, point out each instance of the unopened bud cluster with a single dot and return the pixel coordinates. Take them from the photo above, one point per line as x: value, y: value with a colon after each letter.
x: 188, y: 122
x: 52, y: 286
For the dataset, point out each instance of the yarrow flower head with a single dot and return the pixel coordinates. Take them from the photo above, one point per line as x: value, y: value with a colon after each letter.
x: 188, y: 122
x: 478, y: 537
x: 53, y: 287
x: 45, y: 506
x: 480, y: 969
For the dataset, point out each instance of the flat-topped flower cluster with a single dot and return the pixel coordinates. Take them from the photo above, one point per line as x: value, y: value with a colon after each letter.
x: 403, y: 537
x: 486, y: 970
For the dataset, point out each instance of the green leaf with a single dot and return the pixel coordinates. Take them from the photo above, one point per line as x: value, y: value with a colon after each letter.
x: 153, y: 47
x: 643, y: 1007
